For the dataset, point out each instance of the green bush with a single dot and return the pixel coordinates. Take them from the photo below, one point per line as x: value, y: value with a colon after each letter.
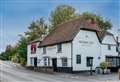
x: 22, y: 61
x: 15, y: 58
x: 103, y: 65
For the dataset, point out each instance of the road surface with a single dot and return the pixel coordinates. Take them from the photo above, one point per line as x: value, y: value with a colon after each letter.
x: 9, y: 72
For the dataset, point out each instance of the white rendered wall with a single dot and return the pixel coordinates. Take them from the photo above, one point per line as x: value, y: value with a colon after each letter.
x: 109, y: 39
x: 51, y: 51
x: 104, y: 47
x: 29, y: 55
x: 86, y: 44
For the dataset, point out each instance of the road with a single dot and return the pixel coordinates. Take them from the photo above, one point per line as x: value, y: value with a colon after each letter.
x: 9, y: 72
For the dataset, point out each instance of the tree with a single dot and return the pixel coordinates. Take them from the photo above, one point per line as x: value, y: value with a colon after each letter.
x: 3, y: 56
x: 22, y: 50
x: 36, y: 29
x: 61, y: 14
x: 9, y: 52
x: 103, y: 24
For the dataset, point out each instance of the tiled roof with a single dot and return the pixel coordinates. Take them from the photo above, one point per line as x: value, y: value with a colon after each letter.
x: 102, y: 34
x: 67, y: 31
x: 37, y: 40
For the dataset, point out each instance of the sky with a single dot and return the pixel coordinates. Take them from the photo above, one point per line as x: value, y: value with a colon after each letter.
x: 16, y: 15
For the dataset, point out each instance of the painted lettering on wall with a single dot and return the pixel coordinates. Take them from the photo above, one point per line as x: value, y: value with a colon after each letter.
x: 86, y: 43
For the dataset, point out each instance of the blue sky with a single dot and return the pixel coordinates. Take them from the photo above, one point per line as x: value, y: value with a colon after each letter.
x: 16, y: 15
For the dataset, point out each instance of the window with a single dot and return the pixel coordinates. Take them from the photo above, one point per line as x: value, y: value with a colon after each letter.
x: 64, y: 62
x: 109, y: 47
x: 46, y: 61
x: 59, y: 48
x: 78, y: 59
x: 33, y: 48
x: 44, y: 50
x: 32, y: 61
x: 89, y: 61
x: 113, y: 61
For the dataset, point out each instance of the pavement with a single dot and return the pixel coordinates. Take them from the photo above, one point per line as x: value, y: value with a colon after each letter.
x: 10, y: 72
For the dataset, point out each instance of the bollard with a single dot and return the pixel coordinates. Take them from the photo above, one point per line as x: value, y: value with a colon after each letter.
x: 119, y: 73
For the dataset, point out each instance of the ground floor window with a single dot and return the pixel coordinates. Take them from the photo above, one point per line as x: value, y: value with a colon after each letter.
x: 113, y: 61
x: 46, y: 61
x: 31, y: 60
x: 78, y: 59
x: 64, y: 62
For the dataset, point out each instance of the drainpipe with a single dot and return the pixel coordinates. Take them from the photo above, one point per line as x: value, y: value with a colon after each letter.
x: 117, y: 46
x: 71, y: 56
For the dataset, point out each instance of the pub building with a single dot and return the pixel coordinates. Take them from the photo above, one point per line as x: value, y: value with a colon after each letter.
x: 74, y: 46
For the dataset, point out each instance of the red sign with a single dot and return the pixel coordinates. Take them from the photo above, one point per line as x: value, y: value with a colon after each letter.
x: 33, y: 48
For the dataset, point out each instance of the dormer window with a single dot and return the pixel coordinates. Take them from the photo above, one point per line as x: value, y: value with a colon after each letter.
x: 33, y: 48
x: 59, y: 48
x: 109, y: 47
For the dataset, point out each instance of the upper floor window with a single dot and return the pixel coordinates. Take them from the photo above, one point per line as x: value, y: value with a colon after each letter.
x: 78, y: 59
x: 109, y: 47
x: 59, y: 48
x: 33, y: 48
x: 44, y: 50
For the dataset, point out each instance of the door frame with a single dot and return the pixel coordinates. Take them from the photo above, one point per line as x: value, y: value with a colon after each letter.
x: 54, y: 64
x: 35, y: 61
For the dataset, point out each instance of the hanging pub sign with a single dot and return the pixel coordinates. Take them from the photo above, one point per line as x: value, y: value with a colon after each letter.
x: 33, y: 48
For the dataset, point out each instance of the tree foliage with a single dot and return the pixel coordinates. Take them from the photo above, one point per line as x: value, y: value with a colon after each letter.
x: 61, y: 14
x: 103, y: 24
x: 3, y: 56
x: 36, y: 29
x: 103, y: 65
x: 22, y: 50
x: 10, y: 50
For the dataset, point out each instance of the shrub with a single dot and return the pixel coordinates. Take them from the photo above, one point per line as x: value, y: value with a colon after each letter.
x: 103, y: 65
